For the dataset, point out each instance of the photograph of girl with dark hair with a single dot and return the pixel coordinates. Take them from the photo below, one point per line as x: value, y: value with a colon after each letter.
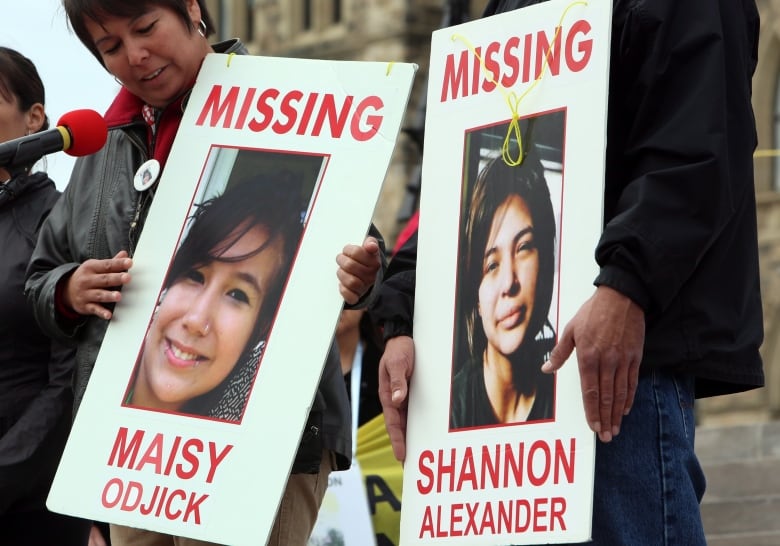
x: 204, y: 343
x: 506, y: 279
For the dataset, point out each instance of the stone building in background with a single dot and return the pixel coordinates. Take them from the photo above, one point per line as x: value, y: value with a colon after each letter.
x: 399, y: 30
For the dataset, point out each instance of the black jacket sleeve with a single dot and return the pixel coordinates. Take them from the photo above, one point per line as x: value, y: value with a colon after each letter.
x: 393, y: 309
x: 673, y: 175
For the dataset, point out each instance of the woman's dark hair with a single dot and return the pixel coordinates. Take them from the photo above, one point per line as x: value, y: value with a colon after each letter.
x: 20, y: 82
x: 495, y: 183
x: 216, y: 226
x: 78, y: 11
x: 221, y: 221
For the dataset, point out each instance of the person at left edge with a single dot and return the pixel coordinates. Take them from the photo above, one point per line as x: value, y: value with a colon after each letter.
x: 35, y: 394
x: 84, y: 252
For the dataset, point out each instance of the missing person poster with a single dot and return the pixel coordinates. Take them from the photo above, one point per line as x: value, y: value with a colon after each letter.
x: 497, y: 451
x: 204, y: 381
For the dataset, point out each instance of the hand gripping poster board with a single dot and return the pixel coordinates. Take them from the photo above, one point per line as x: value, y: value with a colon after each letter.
x: 204, y: 381
x: 512, y: 183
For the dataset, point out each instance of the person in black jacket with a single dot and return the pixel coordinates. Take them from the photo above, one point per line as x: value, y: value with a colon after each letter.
x: 676, y: 313
x: 35, y: 394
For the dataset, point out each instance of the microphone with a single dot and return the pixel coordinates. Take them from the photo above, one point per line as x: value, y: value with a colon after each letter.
x: 79, y: 132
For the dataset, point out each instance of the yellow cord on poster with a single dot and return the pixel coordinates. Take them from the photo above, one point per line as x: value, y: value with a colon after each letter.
x: 772, y: 152
x: 511, y: 97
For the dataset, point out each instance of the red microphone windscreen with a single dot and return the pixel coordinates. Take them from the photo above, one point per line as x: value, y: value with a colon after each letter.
x: 88, y: 131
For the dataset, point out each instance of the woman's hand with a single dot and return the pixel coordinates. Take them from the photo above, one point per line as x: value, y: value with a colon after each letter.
x: 95, y: 283
x: 358, y: 266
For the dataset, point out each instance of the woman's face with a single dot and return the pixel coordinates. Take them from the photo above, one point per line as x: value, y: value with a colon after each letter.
x: 204, y: 322
x: 154, y: 55
x: 13, y: 122
x: 510, y: 268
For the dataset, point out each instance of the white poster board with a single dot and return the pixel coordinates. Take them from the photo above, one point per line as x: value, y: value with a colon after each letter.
x: 344, y: 518
x: 325, y: 128
x: 494, y: 289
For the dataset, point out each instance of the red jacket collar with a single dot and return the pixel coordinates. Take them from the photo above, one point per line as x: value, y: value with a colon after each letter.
x: 125, y: 109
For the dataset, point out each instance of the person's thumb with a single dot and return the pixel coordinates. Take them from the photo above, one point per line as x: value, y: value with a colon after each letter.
x: 560, y: 352
x: 371, y: 245
x: 398, y: 384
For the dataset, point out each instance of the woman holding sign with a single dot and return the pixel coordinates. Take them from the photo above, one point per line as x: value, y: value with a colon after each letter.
x: 507, y: 287
x: 84, y: 254
x: 205, y: 341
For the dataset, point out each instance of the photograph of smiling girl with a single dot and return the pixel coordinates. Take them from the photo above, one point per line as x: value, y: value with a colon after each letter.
x: 505, y: 323
x: 206, y: 337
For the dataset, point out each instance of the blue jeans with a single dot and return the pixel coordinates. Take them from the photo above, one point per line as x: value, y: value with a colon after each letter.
x: 648, y: 482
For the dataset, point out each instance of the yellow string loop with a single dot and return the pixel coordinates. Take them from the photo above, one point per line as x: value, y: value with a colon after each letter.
x: 390, y: 66
x: 230, y: 58
x: 510, y: 97
x: 766, y: 153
